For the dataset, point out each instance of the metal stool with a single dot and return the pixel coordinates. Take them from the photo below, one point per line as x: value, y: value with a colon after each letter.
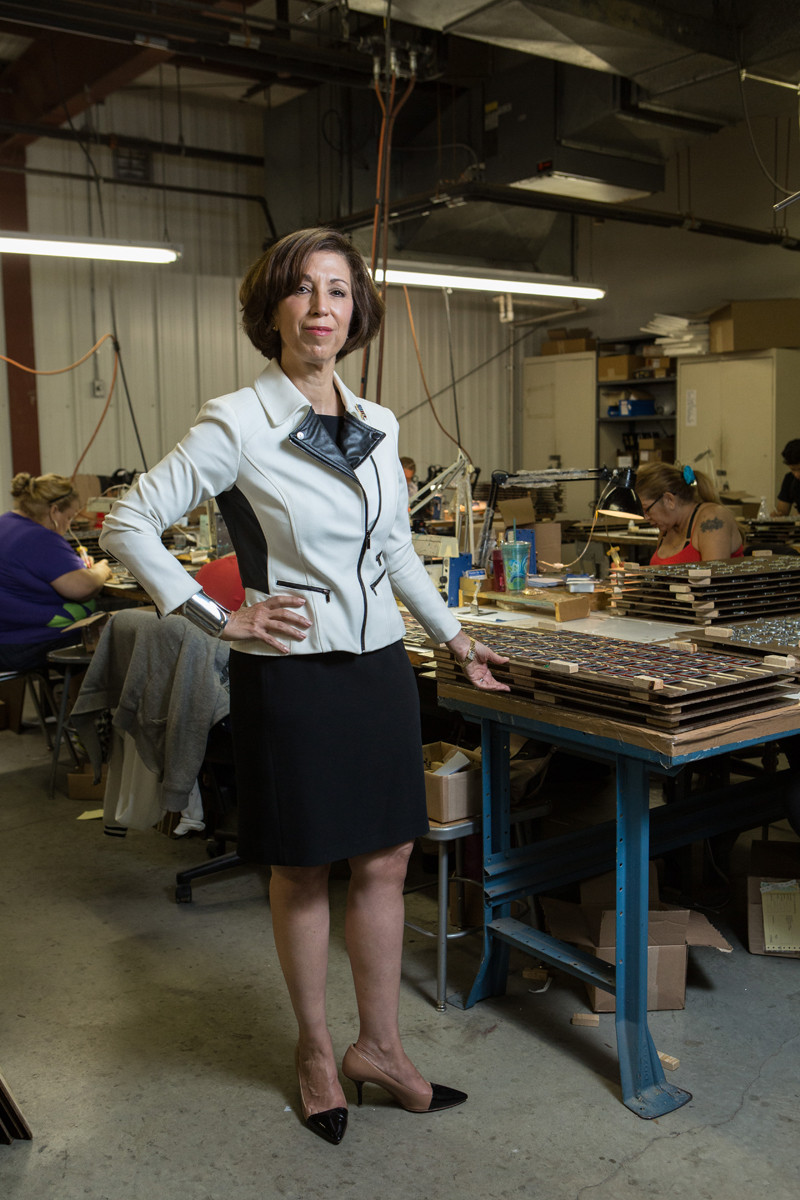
x: 69, y: 659
x: 38, y: 684
x: 443, y: 835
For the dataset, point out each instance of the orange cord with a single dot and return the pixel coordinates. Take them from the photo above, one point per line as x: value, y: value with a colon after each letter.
x: 102, y: 415
x: 71, y: 367
x: 61, y: 370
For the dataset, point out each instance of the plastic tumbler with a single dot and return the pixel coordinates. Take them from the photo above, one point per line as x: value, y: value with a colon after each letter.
x: 515, y: 562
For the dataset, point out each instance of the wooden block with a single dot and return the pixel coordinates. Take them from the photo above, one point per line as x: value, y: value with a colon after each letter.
x: 536, y: 974
x: 586, y: 1019
x: 780, y: 660
x: 563, y: 668
x: 669, y: 1062
x: 649, y: 681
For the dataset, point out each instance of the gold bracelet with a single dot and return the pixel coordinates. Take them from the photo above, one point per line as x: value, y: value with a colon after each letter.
x: 469, y: 656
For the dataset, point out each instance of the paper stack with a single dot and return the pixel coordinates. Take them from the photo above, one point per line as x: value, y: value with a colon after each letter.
x: 678, y: 335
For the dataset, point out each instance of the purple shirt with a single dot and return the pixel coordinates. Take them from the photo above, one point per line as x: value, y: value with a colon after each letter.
x: 31, y: 610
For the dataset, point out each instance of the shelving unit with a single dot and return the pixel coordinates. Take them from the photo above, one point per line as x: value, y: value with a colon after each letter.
x: 618, y: 437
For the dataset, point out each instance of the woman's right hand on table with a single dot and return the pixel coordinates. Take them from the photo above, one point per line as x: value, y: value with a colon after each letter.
x: 271, y: 621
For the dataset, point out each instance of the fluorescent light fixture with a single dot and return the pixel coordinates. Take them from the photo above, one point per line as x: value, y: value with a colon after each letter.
x: 70, y: 247
x: 559, y: 183
x: 470, y: 283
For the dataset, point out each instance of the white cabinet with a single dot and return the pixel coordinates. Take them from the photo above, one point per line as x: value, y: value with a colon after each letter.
x: 744, y: 408
x: 558, y: 419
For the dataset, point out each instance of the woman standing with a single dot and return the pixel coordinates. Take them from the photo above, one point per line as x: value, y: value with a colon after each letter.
x: 683, y: 505
x: 324, y: 708
x: 45, y: 586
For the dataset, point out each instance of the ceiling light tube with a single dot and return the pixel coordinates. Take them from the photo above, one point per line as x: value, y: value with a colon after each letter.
x: 469, y: 283
x: 71, y: 247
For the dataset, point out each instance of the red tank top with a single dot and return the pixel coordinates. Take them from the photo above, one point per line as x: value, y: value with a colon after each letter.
x: 689, y: 553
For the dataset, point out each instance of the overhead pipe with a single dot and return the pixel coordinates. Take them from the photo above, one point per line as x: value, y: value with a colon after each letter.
x: 255, y: 197
x: 417, y: 206
x: 130, y: 142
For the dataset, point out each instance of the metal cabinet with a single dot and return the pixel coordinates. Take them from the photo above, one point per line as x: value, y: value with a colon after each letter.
x: 558, y: 420
x: 743, y: 408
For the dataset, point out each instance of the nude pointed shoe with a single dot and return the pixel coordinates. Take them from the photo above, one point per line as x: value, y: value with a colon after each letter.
x: 360, y: 1070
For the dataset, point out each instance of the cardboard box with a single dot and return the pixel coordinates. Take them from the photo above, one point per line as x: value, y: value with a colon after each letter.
x: 754, y: 325
x: 770, y: 862
x: 568, y: 346
x: 592, y: 925
x: 81, y: 785
x: 619, y: 366
x: 451, y: 797
x: 651, y: 441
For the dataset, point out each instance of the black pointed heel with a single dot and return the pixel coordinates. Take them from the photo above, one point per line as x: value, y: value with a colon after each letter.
x: 331, y: 1124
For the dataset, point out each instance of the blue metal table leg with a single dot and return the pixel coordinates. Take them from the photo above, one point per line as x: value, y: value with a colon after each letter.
x: 496, y: 832
x: 644, y: 1089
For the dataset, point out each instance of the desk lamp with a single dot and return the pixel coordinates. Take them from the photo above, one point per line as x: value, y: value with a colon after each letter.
x: 618, y: 499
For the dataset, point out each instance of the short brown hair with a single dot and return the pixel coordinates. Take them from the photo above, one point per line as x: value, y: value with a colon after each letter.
x: 277, y: 273
x: 35, y: 493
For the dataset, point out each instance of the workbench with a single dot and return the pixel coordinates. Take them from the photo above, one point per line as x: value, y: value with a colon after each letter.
x: 628, y: 843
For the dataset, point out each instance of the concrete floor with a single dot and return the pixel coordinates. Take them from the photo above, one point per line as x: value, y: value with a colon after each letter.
x: 150, y: 1045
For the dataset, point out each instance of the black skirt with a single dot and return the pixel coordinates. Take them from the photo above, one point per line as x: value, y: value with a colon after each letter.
x: 328, y: 753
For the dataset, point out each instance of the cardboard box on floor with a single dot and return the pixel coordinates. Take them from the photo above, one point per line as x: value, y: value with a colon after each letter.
x: 592, y: 925
x: 81, y: 784
x: 771, y: 862
x: 451, y: 797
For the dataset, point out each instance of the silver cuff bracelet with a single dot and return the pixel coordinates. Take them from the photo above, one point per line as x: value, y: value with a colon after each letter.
x: 206, y: 614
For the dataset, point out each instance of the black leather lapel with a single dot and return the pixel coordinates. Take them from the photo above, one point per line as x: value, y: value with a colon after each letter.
x: 358, y: 442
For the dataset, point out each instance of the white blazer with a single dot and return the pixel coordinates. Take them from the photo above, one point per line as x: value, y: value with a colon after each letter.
x: 304, y: 516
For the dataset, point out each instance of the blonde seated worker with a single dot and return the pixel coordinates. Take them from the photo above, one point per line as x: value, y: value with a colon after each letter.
x: 683, y: 505
x: 45, y: 585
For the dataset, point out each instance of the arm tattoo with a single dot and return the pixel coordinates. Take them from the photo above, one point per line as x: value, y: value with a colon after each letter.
x: 711, y: 523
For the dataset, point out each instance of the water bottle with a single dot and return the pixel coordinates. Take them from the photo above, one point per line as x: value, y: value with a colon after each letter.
x: 763, y: 511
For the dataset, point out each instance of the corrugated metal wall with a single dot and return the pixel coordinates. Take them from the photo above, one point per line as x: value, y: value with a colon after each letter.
x: 481, y: 392
x: 178, y: 325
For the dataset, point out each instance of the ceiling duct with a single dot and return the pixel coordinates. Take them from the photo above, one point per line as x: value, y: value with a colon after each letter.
x: 574, y: 132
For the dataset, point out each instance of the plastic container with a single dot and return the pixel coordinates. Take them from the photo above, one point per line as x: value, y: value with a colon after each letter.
x: 516, y: 556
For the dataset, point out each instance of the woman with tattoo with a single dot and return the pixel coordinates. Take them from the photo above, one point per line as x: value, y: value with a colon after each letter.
x: 684, y: 507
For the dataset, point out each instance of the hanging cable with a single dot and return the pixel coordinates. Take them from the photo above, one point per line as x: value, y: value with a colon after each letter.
x: 779, y: 187
x: 424, y: 380
x: 387, y: 164
x: 101, y: 214
x: 446, y: 294
x: 553, y: 316
x: 376, y: 213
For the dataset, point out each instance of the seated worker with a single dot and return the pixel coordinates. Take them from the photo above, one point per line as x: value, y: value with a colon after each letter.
x: 683, y: 505
x: 790, y: 488
x: 409, y: 470
x: 45, y: 585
